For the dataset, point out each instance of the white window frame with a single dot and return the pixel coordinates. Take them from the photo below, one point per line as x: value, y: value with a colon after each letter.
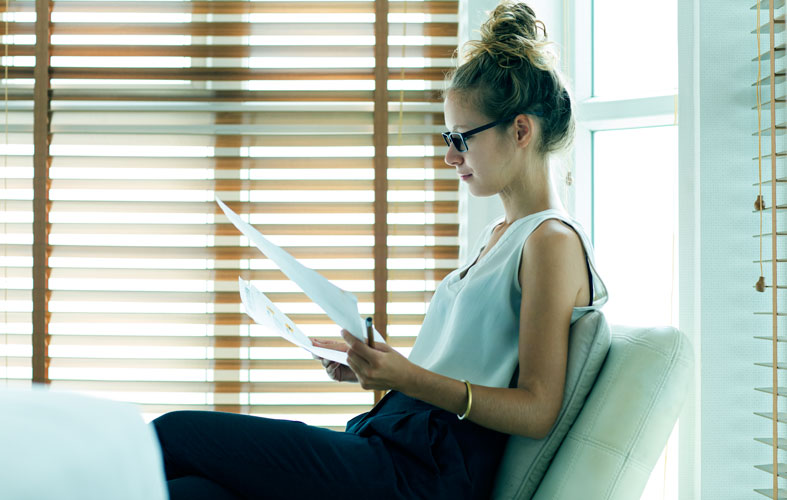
x: 598, y: 114
x: 595, y: 114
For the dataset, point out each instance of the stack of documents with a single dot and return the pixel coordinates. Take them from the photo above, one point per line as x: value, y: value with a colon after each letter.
x: 340, y: 305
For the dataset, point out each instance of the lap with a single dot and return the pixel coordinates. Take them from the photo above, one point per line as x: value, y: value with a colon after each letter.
x: 258, y: 457
x: 198, y: 488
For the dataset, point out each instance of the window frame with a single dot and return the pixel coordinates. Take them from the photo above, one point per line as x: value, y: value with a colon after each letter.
x: 596, y: 114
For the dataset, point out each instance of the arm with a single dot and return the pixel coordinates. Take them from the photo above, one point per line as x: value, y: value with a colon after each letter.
x: 552, y: 272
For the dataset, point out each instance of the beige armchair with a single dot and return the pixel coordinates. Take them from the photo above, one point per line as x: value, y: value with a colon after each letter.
x: 619, y: 433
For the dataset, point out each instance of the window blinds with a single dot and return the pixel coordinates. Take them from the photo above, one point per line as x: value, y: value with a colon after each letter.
x: 158, y: 107
x: 769, y: 207
x: 16, y: 208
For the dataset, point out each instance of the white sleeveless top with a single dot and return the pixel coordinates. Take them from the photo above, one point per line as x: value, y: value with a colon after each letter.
x: 471, y: 328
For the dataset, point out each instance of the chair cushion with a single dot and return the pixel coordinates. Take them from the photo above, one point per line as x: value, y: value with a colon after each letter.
x: 619, y: 435
x: 525, y: 460
x: 72, y: 447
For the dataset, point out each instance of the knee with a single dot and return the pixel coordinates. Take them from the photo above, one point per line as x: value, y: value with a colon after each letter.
x: 173, y: 421
x: 171, y: 429
x: 167, y: 419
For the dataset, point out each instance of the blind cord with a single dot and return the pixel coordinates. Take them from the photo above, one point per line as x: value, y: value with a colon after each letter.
x: 759, y: 204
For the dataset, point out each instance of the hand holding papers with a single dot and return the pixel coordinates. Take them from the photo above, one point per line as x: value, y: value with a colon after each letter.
x: 341, y: 306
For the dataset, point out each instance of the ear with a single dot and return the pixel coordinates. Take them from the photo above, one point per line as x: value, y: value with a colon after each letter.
x: 524, y: 130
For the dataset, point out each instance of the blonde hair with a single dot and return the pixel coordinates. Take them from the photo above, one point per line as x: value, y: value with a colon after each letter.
x: 512, y: 69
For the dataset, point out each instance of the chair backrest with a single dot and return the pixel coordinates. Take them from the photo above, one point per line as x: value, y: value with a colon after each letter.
x: 629, y: 414
x: 526, y: 460
x: 73, y: 447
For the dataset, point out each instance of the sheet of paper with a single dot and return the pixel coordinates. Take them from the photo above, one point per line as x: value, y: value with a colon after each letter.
x: 341, y: 306
x: 264, y: 312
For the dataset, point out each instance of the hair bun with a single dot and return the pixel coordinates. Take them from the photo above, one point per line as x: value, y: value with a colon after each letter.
x: 511, y: 36
x: 512, y: 69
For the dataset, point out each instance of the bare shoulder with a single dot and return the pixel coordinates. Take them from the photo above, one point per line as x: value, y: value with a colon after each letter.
x: 553, y: 258
x: 553, y: 236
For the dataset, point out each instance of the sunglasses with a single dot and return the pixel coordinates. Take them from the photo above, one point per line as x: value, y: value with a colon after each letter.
x: 458, y: 138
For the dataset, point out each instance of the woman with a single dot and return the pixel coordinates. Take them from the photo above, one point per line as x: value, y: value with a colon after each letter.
x: 493, y: 346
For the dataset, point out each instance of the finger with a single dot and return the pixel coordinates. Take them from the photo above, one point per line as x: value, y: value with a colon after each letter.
x: 330, y: 344
x: 337, y: 375
x: 366, y: 357
x: 323, y: 341
x: 353, y: 366
x: 355, y: 344
x: 353, y: 340
x: 334, y: 371
x: 356, y: 362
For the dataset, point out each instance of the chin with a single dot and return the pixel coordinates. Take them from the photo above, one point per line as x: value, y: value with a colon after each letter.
x: 481, y: 192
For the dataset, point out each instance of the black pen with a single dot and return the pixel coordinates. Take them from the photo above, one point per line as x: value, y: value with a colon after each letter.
x: 369, y: 332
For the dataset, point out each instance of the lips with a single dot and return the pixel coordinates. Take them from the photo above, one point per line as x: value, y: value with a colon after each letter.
x: 465, y: 176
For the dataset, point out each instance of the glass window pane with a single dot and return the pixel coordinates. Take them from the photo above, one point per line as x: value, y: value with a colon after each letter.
x: 634, y: 222
x: 635, y: 47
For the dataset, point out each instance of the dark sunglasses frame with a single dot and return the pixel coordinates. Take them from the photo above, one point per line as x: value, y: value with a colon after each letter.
x: 458, y: 138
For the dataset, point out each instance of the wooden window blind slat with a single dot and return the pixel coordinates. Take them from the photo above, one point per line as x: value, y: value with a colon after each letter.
x: 235, y: 51
x: 437, y: 207
x: 234, y: 29
x: 225, y: 276
x: 438, y: 230
x: 229, y: 7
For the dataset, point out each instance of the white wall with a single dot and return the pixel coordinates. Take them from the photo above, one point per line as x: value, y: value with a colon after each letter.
x: 726, y: 250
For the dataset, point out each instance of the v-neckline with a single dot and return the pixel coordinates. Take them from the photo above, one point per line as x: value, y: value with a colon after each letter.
x: 481, y: 255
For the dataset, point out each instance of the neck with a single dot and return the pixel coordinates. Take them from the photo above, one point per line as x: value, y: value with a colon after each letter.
x: 529, y: 196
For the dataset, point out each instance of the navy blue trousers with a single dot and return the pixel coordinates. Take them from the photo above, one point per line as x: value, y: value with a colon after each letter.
x: 402, y: 449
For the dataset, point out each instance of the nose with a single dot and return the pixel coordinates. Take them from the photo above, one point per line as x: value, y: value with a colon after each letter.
x: 453, y: 157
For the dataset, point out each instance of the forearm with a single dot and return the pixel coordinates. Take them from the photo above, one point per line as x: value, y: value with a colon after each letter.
x: 512, y: 411
x: 530, y: 410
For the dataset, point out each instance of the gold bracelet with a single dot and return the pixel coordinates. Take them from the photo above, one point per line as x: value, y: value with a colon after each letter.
x: 469, y: 401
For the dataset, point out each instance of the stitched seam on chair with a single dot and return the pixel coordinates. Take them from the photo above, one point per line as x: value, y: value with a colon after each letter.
x: 571, y: 397
x: 627, y: 462
x: 673, y: 358
x: 650, y: 346
x: 570, y: 468
x: 647, y: 345
x: 627, y: 457
x: 593, y: 416
x: 612, y: 451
